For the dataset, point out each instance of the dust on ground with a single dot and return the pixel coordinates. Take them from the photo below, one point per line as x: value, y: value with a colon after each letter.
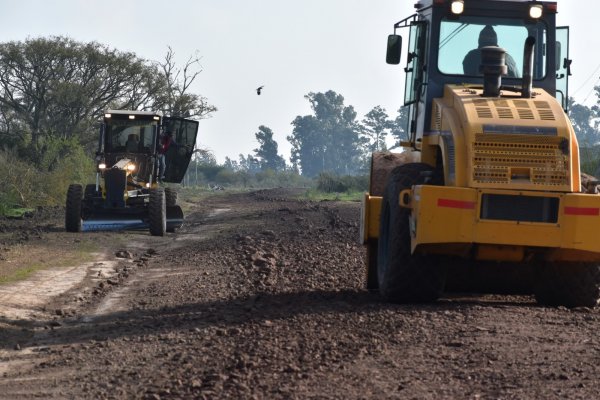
x: 260, y: 295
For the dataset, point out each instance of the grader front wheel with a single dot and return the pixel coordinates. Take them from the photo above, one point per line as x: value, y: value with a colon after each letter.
x: 157, y: 211
x: 73, y: 208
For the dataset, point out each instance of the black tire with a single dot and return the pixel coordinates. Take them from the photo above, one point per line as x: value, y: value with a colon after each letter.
x: 171, y: 196
x: 73, y: 208
x: 372, y: 282
x: 157, y: 212
x: 567, y: 284
x: 402, y: 276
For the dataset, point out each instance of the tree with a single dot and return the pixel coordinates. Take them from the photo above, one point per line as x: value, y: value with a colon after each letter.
x: 231, y: 164
x: 582, y: 119
x: 328, y: 140
x: 177, y: 100
x: 375, y: 128
x: 585, y: 125
x: 267, y: 152
x: 399, y: 127
x: 249, y: 164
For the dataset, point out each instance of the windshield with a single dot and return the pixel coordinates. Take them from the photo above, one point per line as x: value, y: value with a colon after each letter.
x: 130, y: 136
x: 461, y: 42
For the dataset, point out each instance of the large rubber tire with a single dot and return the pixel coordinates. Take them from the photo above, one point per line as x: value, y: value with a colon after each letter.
x: 157, y: 212
x: 404, y: 277
x: 372, y: 281
x: 567, y: 284
x: 73, y: 208
x: 171, y: 195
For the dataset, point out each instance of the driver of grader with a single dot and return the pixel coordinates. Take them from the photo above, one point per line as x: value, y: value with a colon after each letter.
x: 472, y: 61
x: 131, y: 146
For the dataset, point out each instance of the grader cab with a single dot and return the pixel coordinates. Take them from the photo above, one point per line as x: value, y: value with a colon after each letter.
x: 490, y: 170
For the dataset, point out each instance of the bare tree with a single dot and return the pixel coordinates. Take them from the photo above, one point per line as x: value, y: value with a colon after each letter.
x: 178, y: 101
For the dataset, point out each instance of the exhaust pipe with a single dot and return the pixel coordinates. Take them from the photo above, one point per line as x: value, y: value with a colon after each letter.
x: 493, y: 66
x: 528, y: 68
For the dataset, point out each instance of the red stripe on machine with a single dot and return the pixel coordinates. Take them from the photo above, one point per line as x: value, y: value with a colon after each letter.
x: 449, y: 203
x: 582, y: 211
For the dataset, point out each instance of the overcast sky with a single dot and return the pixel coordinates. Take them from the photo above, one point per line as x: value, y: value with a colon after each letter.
x: 290, y: 47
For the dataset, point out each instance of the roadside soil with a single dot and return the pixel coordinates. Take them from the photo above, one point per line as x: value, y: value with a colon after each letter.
x: 260, y: 296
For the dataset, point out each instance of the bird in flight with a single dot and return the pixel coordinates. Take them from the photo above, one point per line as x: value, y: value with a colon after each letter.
x: 258, y: 89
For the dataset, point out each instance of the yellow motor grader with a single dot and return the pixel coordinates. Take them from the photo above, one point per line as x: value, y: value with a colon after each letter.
x: 127, y: 194
x: 490, y: 170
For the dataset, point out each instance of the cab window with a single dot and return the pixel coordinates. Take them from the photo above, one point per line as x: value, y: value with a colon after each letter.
x: 461, y: 41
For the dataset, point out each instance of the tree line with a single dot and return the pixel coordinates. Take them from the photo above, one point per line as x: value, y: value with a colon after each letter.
x: 332, y: 139
x: 54, y: 90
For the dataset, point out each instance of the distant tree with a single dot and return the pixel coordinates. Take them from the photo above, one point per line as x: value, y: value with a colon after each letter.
x: 375, y: 128
x: 583, y: 120
x: 267, y: 152
x: 585, y: 124
x: 308, y: 146
x: 203, y: 156
x: 176, y: 100
x: 399, y: 127
x: 230, y: 164
x: 249, y: 163
x: 328, y: 140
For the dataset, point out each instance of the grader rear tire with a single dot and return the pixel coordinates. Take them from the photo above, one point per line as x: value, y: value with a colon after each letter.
x: 157, y: 211
x: 73, y: 208
x: 567, y: 284
x: 402, y: 276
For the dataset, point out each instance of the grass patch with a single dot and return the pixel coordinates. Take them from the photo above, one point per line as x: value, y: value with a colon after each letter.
x: 16, y: 212
x: 24, y: 260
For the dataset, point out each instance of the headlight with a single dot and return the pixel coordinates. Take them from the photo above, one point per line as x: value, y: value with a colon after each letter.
x: 457, y: 6
x: 101, y: 166
x: 535, y: 11
x: 130, y: 167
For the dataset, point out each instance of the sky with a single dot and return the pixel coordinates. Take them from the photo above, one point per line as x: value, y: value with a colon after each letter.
x: 291, y: 47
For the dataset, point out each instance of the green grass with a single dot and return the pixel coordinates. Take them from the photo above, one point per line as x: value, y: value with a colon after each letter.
x: 21, y: 274
x: 80, y: 255
x: 15, y: 212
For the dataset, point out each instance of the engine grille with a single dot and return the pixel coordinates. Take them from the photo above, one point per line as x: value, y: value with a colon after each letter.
x: 507, y: 158
x: 519, y: 208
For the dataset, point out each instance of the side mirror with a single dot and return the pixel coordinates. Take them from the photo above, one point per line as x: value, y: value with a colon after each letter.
x: 394, y: 49
x: 558, y: 56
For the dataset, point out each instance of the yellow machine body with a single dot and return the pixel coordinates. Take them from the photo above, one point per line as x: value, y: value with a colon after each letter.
x: 512, y: 183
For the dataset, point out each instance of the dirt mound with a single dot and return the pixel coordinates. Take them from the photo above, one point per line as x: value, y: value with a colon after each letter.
x: 382, y: 164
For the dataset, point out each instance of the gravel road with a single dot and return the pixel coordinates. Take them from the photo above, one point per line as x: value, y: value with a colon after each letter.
x: 260, y: 296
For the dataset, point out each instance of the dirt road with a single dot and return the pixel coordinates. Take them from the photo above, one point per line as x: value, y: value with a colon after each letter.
x: 260, y: 296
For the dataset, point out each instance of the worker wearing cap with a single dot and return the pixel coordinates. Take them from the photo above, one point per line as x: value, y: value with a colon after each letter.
x: 472, y: 61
